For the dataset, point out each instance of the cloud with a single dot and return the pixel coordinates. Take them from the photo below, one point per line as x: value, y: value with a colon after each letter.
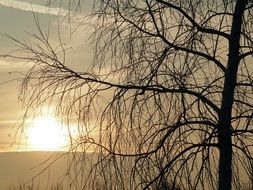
x: 34, y: 7
x: 13, y: 64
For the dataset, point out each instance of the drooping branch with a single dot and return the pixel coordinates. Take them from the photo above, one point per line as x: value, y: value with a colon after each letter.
x: 193, y: 22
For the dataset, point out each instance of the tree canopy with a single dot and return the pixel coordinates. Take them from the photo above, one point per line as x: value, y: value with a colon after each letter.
x: 167, y: 101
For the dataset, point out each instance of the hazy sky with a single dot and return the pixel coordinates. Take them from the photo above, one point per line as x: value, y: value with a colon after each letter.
x: 16, y: 19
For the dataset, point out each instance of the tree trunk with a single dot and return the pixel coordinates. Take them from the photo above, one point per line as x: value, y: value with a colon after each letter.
x: 224, y: 127
x: 225, y: 170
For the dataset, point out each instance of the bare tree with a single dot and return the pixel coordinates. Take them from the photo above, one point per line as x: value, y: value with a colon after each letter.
x: 169, y: 93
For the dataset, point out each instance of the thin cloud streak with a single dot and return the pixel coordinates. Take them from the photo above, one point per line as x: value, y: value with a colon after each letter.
x: 34, y: 8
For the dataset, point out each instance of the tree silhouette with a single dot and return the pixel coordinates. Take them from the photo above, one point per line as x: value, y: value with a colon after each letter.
x: 169, y: 93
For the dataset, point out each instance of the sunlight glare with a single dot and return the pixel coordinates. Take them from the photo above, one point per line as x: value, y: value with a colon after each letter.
x: 47, y: 134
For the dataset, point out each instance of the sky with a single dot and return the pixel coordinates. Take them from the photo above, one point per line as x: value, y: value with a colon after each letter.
x: 17, y: 20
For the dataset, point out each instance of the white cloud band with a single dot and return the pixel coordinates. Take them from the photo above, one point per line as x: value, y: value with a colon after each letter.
x: 34, y: 7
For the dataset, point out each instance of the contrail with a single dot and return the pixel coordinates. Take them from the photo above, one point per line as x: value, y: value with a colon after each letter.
x: 34, y: 8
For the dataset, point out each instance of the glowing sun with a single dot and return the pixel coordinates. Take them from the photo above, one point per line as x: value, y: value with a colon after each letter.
x: 47, y: 134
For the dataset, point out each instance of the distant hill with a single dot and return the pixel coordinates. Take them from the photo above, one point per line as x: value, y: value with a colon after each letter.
x: 19, y: 167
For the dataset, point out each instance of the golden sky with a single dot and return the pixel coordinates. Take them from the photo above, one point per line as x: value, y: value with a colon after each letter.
x: 16, y: 19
